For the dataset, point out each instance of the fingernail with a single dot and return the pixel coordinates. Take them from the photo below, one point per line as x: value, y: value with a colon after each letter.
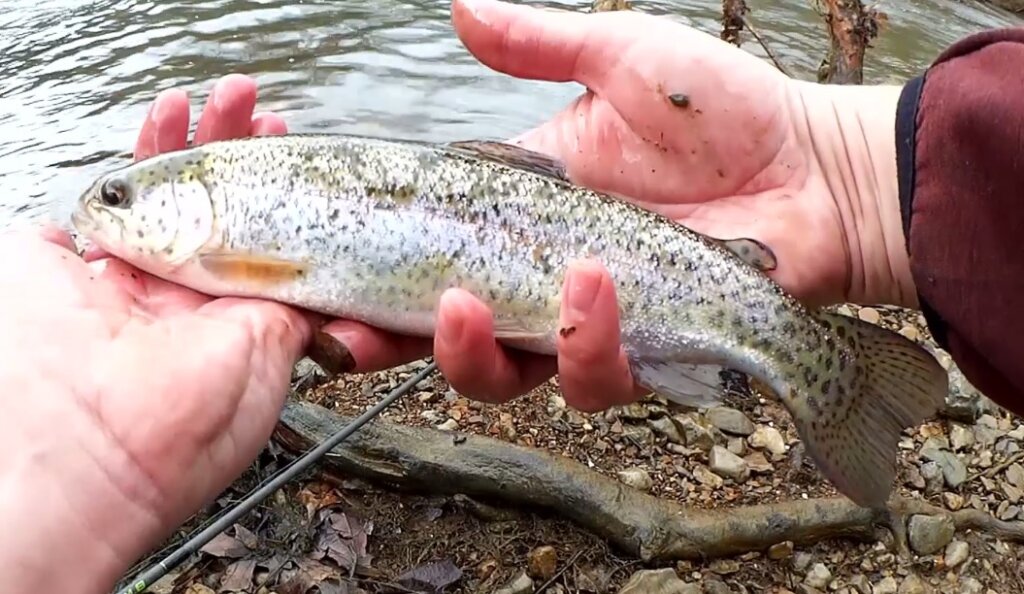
x: 450, y: 324
x: 582, y: 289
x: 330, y: 354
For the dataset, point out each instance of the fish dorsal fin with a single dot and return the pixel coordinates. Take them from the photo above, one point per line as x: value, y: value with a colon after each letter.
x: 751, y: 251
x: 512, y: 156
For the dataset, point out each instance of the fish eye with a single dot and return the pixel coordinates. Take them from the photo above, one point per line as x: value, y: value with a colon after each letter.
x: 114, y: 193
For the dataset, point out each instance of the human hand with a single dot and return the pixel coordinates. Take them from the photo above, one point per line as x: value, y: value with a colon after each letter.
x: 128, y: 402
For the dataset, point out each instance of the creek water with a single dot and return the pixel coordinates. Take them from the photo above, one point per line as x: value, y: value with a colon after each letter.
x: 77, y: 77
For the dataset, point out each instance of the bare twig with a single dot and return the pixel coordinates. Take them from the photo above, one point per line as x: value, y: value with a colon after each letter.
x: 764, y: 46
x: 991, y: 472
x: 430, y: 460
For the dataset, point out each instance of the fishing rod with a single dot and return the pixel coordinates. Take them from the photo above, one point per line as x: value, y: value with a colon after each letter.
x: 145, y: 579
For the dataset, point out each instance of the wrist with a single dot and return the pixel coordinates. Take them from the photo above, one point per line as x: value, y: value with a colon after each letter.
x: 69, y: 529
x: 852, y: 130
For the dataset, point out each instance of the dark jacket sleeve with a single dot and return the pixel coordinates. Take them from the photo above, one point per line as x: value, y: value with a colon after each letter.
x: 960, y: 157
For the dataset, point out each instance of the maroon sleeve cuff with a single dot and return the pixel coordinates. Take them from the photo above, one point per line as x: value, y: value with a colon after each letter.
x: 960, y: 152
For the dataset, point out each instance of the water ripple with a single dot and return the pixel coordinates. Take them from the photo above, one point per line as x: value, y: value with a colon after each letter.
x: 76, y: 78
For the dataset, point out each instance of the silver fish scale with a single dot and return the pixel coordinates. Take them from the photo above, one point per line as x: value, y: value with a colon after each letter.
x: 389, y: 225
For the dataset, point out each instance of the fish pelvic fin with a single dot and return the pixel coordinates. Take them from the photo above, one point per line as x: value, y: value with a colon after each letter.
x: 751, y: 251
x: 250, y: 269
x: 850, y: 419
x: 692, y: 385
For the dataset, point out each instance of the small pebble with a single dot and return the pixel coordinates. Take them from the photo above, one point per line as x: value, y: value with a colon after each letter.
x: 956, y: 553
x: 819, y: 576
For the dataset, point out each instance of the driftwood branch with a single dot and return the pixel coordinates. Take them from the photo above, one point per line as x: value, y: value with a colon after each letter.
x: 851, y: 27
x: 439, y: 462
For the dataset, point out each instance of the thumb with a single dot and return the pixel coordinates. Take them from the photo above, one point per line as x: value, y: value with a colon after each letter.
x: 527, y: 42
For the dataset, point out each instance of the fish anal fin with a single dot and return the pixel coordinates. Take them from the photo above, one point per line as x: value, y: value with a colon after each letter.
x: 692, y: 385
x: 512, y: 156
x: 513, y: 331
x: 751, y: 251
x: 853, y: 427
x: 252, y: 269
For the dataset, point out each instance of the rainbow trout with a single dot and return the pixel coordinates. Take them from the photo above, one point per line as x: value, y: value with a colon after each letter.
x: 375, y: 230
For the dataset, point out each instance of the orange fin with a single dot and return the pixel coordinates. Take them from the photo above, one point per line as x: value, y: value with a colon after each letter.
x: 252, y: 269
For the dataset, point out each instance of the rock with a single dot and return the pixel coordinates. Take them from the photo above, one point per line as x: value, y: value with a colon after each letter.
x: 658, y: 581
x: 727, y: 464
x: 636, y: 478
x: 541, y: 562
x: 1009, y: 512
x: 641, y: 434
x: 1013, y: 494
x: 929, y: 534
x: 1015, y: 475
x: 730, y: 420
x: 953, y: 501
x: 960, y: 437
x: 634, y: 411
x: 521, y: 584
x: 667, y: 428
x: 780, y: 550
x: 953, y: 470
x: 801, y: 561
x: 695, y: 435
x: 956, y: 553
x: 449, y: 425
x: 756, y: 462
x: 737, y: 446
x: 987, y: 431
x: 932, y: 474
x: 869, y: 314
x: 715, y: 586
x: 818, y: 577
x: 768, y: 438
x: 724, y: 566
x: 970, y: 585
x: 860, y: 584
x: 912, y: 584
x: 935, y: 442
x: 886, y: 586
x: 705, y: 477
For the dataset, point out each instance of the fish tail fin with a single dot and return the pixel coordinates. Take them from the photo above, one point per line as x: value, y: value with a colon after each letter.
x: 851, y: 417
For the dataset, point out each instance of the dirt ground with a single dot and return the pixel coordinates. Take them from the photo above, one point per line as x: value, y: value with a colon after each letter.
x: 327, y: 533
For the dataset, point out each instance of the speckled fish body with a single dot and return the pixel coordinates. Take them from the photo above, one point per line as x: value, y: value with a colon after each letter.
x: 376, y: 230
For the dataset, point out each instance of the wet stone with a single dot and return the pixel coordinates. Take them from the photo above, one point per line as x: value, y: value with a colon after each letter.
x: 953, y: 470
x: 730, y: 420
x: 932, y: 474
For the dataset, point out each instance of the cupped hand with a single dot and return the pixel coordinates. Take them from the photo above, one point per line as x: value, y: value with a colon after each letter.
x: 127, y: 401
x: 673, y: 119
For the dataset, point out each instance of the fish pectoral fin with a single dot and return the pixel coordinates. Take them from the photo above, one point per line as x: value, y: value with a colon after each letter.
x: 513, y: 156
x: 252, y: 269
x: 751, y: 251
x: 854, y: 439
x: 688, y: 384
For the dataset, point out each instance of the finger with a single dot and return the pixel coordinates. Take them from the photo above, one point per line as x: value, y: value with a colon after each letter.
x: 166, y: 126
x: 141, y: 292
x: 593, y: 371
x: 372, y: 349
x: 472, y: 360
x: 529, y: 42
x: 59, y: 237
x: 228, y: 111
x: 268, y: 124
